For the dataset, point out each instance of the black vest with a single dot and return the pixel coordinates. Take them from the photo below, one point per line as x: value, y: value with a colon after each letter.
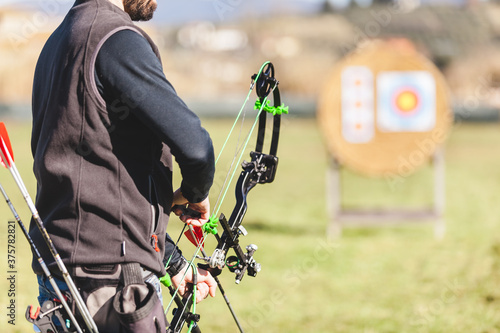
x: 104, y: 182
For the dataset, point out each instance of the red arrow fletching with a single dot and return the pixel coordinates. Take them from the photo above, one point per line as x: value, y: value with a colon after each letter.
x: 198, y: 233
x: 5, y: 146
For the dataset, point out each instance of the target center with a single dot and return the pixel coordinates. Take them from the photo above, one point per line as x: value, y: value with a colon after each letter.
x: 407, y: 101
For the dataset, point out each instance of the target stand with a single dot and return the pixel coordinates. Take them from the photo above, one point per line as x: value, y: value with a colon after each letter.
x: 384, y: 106
x: 340, y: 217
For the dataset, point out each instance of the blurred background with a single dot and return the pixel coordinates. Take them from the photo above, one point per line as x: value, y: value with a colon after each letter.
x: 388, y: 279
x: 209, y: 46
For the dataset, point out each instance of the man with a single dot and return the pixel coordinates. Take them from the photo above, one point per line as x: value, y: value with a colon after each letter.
x: 106, y: 123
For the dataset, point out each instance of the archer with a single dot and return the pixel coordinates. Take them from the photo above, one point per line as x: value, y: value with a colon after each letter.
x: 106, y: 123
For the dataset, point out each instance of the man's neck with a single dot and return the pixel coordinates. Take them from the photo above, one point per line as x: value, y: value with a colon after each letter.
x: 117, y: 3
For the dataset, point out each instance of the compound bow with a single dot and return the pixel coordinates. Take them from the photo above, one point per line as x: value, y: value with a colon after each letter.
x: 260, y: 170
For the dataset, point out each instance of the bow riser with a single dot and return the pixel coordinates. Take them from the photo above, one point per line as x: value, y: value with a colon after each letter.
x: 261, y: 170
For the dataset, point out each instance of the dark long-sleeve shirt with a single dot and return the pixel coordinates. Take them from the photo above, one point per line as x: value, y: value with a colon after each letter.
x: 127, y: 71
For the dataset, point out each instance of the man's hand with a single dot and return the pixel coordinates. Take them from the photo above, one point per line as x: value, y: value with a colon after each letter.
x: 206, y: 284
x: 202, y: 210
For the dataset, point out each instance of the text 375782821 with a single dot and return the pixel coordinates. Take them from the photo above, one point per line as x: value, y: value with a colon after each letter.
x: 11, y: 272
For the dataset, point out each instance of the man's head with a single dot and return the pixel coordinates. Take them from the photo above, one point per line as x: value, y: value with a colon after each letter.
x: 140, y: 10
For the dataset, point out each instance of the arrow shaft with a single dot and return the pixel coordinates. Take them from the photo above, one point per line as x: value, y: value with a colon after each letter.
x: 42, y: 263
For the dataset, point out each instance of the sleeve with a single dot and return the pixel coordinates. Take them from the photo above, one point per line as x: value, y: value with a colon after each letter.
x: 128, y: 69
x: 172, y: 253
x: 173, y: 260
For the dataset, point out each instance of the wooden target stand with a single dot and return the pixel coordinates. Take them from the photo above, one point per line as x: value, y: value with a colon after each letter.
x: 383, y: 108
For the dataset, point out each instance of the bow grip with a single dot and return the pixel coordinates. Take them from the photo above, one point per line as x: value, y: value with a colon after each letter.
x: 187, y: 211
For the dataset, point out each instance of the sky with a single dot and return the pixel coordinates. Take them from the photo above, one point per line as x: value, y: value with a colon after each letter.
x: 173, y: 12
x: 2, y: 2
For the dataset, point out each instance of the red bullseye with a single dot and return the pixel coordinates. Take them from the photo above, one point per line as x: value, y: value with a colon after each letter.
x: 406, y: 101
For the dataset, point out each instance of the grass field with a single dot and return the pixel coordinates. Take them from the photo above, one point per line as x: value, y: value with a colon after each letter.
x: 387, y: 279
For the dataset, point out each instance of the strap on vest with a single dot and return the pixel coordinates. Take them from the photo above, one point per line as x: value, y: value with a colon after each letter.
x: 131, y: 274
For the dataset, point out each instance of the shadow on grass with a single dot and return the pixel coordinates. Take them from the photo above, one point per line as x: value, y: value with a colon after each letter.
x: 294, y: 230
x: 409, y: 230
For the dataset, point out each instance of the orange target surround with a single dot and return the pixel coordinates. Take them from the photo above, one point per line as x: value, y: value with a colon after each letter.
x: 384, y: 110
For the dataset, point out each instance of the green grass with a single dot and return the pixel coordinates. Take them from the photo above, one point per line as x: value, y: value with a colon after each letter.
x: 387, y: 279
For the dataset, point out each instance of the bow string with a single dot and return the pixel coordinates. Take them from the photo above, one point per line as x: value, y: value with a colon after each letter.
x: 260, y: 170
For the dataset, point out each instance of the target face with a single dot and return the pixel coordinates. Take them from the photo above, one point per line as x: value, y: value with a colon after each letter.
x: 406, y: 101
x: 358, y: 115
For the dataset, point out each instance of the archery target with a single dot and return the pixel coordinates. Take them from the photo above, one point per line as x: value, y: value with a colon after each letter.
x: 358, y: 118
x: 406, y: 101
x: 382, y: 105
